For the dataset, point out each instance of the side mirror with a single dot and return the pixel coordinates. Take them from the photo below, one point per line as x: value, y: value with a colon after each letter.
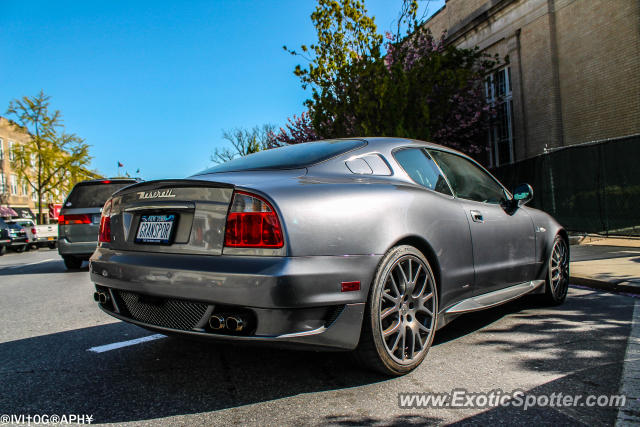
x: 522, y: 194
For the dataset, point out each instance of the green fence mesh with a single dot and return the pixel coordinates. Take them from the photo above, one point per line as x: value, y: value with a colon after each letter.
x: 590, y: 188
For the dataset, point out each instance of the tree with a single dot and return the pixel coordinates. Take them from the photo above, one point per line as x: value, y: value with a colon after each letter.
x: 297, y: 130
x: 244, y: 141
x: 53, y: 160
x: 345, y: 35
x: 419, y: 87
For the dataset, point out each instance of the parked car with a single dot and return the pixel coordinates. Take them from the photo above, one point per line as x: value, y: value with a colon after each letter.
x: 80, y: 216
x: 47, y: 235
x: 358, y: 244
x: 30, y: 228
x: 16, y: 235
x: 4, y: 237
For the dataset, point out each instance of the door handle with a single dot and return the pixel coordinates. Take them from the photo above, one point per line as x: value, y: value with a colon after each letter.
x: 476, y: 216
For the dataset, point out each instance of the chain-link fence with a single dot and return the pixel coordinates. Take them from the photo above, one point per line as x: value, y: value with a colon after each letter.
x: 589, y: 188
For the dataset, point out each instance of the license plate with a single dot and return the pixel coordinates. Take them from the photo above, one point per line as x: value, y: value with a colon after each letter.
x: 49, y: 238
x: 155, y: 229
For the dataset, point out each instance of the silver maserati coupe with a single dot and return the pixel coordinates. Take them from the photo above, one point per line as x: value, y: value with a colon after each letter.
x: 368, y: 245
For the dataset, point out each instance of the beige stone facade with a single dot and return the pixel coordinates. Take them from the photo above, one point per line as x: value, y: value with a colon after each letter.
x: 573, y: 67
x: 13, y: 192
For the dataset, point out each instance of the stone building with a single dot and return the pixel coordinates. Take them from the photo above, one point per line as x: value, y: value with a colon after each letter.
x: 571, y: 73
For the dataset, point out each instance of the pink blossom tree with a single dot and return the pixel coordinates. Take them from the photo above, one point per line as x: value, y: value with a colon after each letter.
x: 298, y: 129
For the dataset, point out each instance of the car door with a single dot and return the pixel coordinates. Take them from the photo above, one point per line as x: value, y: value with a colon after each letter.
x: 503, y: 239
x: 4, y: 233
x: 455, y: 250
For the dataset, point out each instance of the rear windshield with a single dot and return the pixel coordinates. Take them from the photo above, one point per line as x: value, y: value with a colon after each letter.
x: 92, y: 195
x: 23, y: 223
x: 289, y: 157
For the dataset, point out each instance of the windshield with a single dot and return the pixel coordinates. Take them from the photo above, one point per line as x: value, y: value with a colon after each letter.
x: 93, y: 195
x: 288, y: 157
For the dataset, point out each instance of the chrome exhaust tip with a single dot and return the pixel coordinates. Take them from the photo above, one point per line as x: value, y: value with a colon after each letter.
x: 102, y: 298
x: 217, y: 322
x: 235, y: 324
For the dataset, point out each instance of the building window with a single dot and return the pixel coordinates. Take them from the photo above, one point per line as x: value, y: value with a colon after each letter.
x: 12, y: 154
x: 3, y: 184
x: 500, y: 137
x: 14, y: 184
x: 25, y: 188
x: 1, y: 149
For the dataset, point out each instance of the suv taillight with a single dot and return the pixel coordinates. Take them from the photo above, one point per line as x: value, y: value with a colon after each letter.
x: 252, y: 223
x: 74, y: 219
x: 104, y: 234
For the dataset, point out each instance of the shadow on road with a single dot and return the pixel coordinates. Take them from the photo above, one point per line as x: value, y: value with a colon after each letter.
x: 48, y: 267
x: 56, y: 374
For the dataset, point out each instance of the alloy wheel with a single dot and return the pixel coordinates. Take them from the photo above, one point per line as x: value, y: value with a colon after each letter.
x: 559, y: 269
x: 406, y: 312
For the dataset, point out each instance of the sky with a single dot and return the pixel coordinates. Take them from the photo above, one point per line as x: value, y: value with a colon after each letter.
x: 153, y: 84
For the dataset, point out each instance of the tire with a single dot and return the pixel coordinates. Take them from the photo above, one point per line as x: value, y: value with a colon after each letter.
x: 72, y: 263
x: 401, y: 313
x: 52, y: 245
x: 21, y: 248
x: 557, y: 278
x: 3, y: 250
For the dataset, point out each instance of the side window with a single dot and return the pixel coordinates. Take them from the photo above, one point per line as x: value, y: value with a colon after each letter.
x: 422, y: 169
x: 467, y: 180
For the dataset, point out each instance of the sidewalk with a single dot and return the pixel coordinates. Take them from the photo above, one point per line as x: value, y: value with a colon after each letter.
x: 611, y: 264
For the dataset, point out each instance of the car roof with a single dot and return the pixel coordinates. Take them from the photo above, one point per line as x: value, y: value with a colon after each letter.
x: 385, y: 143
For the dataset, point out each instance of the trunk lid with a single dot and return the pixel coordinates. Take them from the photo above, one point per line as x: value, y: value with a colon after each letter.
x: 199, y: 209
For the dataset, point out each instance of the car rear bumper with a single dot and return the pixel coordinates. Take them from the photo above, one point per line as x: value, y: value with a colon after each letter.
x: 46, y: 239
x: 294, y: 300
x: 80, y: 249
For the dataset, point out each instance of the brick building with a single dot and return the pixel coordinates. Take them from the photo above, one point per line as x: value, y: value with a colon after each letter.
x: 572, y: 72
x: 14, y: 193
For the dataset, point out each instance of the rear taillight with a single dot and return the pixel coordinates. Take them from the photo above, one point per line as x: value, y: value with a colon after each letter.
x: 252, y: 223
x: 104, y: 234
x: 74, y: 219
x: 33, y: 231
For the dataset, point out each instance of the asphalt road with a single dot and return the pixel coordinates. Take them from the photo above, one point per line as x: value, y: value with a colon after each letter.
x: 48, y: 321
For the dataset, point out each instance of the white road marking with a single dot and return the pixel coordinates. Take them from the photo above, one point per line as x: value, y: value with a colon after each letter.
x: 115, y: 345
x: 629, y: 414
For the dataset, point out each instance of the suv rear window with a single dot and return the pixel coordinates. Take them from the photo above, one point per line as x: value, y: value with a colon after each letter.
x: 93, y: 195
x: 289, y: 157
x: 23, y: 222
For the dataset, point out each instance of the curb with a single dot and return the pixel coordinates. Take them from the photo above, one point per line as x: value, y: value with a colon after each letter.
x: 625, y: 287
